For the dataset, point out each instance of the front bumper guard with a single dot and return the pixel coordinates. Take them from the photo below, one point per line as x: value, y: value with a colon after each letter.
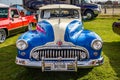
x: 60, y: 64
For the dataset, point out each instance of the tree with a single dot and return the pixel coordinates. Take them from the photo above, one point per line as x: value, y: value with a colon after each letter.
x: 109, y: 2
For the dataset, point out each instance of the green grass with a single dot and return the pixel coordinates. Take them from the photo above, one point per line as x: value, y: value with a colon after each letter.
x: 110, y: 70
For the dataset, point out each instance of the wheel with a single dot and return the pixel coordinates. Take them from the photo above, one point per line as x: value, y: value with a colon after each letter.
x: 89, y: 14
x: 2, y: 35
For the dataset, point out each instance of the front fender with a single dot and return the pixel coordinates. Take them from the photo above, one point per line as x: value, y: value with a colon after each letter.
x: 33, y: 38
x: 85, y: 39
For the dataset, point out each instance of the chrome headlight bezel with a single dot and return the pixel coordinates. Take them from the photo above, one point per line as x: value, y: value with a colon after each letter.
x: 21, y: 44
x: 96, y: 44
x: 35, y: 55
x: 83, y: 55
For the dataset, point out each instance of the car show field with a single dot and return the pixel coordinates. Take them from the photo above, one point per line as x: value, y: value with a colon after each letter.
x: 110, y: 70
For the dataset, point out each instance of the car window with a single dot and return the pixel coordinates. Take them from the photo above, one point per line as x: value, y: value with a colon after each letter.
x: 86, y: 1
x: 63, y: 13
x: 3, y: 12
x: 14, y: 12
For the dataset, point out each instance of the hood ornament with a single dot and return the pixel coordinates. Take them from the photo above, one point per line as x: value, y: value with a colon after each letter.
x: 59, y: 43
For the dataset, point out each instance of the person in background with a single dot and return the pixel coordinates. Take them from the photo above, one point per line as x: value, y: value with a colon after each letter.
x: 22, y: 13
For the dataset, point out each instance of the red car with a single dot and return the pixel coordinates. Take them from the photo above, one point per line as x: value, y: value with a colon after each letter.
x: 12, y: 21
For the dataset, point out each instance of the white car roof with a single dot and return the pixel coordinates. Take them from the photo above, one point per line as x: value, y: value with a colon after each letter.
x: 56, y: 6
x: 3, y: 5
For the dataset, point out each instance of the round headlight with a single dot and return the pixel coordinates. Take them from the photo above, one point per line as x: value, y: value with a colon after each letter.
x: 96, y: 44
x: 21, y: 44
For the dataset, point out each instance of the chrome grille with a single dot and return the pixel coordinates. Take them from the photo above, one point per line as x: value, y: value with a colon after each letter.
x: 55, y: 52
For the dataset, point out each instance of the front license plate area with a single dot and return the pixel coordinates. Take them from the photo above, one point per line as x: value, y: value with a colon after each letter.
x: 67, y: 64
x: 59, y: 66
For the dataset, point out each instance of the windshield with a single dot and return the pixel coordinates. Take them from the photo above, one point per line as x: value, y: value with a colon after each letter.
x: 3, y: 12
x: 63, y: 13
x: 86, y: 1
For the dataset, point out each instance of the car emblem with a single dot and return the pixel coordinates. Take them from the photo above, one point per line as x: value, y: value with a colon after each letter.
x: 59, y: 43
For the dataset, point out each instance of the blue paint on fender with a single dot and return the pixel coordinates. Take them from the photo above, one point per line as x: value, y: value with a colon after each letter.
x: 73, y: 30
x: 85, y: 39
x: 36, y: 38
x: 78, y: 36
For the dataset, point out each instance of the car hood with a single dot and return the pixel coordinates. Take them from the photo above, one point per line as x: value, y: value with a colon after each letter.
x: 53, y: 32
x: 90, y: 5
x: 62, y: 29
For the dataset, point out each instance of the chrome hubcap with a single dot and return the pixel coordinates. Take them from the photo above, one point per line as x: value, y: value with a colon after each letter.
x: 2, y: 35
x: 89, y: 15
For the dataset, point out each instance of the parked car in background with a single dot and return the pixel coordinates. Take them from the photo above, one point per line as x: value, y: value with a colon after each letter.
x: 89, y: 9
x: 13, y: 21
x: 116, y: 27
x: 29, y: 14
x: 59, y: 42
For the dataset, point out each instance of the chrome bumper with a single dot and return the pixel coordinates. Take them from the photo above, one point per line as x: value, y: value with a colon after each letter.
x: 69, y: 64
x: 97, y: 12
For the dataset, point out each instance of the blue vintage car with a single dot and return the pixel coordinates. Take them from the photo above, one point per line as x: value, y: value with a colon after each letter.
x: 59, y: 42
